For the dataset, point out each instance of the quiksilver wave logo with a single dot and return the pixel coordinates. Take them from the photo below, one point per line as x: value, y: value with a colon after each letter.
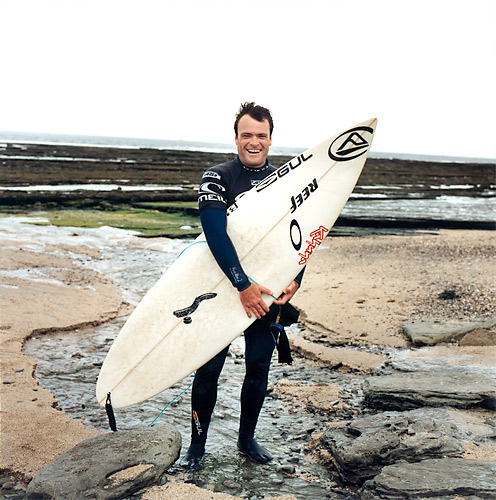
x: 351, y: 144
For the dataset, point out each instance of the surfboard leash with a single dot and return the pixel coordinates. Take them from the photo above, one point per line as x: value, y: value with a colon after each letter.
x: 175, y: 399
x: 190, y: 245
x: 111, y: 416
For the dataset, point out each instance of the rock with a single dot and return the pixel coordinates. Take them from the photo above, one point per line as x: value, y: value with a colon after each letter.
x: 405, y: 391
x: 433, y: 331
x: 333, y: 357
x: 435, y: 479
x: 106, y: 466
x: 362, y: 447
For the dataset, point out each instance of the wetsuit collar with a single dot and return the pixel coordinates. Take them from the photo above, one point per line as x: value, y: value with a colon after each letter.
x: 250, y: 169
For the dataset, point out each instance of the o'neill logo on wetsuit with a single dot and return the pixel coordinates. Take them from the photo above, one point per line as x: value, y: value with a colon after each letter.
x: 350, y: 144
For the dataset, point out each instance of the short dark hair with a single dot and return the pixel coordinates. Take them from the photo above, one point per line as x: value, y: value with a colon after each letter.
x: 257, y: 112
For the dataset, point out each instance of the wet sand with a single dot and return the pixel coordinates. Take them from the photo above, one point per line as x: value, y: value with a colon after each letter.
x: 356, y: 291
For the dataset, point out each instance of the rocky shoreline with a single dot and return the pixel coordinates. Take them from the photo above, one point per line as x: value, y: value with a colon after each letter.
x: 359, y: 300
x: 57, y: 164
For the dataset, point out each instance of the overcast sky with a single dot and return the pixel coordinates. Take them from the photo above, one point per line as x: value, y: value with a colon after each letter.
x: 178, y: 69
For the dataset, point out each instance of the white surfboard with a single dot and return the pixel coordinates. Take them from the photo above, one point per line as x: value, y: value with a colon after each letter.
x: 193, y: 311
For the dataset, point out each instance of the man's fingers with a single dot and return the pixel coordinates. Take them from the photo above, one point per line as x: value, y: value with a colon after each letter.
x: 265, y: 290
x: 252, y: 300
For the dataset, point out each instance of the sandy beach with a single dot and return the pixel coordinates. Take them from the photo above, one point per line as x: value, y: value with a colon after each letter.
x: 356, y: 291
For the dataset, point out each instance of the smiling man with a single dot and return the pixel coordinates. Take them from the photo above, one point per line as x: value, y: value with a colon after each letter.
x: 220, y: 188
x: 253, y: 139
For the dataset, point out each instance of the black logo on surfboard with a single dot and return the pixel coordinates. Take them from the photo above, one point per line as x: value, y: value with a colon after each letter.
x: 187, y: 311
x: 350, y: 144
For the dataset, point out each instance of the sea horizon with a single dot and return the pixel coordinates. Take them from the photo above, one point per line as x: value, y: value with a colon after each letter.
x: 7, y: 137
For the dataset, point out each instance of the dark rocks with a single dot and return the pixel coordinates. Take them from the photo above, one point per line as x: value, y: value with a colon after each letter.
x: 109, y: 466
x: 12, y: 489
x: 362, y: 447
x: 416, y: 452
x: 404, y: 391
x: 435, y: 479
x: 433, y: 331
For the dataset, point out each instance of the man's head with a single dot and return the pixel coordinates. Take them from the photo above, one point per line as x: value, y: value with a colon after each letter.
x: 253, y: 127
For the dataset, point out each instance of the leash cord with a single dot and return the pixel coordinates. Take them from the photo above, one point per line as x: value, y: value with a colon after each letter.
x: 168, y: 404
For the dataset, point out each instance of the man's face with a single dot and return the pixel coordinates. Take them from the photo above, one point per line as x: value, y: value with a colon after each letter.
x: 253, y: 141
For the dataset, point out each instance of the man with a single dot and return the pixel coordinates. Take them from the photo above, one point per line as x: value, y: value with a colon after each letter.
x: 219, y: 189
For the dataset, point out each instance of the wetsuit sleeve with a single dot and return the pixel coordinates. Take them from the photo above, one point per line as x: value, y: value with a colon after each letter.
x: 214, y: 223
x: 212, y: 192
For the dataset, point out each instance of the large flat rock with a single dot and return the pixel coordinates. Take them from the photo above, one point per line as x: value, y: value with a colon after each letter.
x: 362, y: 447
x: 435, y: 479
x: 333, y: 357
x: 406, y: 391
x: 108, y: 466
x: 433, y: 331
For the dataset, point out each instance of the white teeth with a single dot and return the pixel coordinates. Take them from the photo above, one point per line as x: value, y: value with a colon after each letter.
x: 254, y: 150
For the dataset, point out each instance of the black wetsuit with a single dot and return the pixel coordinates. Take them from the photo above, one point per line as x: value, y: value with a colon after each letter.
x: 220, y: 187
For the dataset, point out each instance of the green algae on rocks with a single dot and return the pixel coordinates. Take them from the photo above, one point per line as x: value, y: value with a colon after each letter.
x: 147, y: 223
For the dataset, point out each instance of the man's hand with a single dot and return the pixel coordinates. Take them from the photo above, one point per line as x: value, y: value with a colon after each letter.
x: 252, y: 301
x: 287, y: 293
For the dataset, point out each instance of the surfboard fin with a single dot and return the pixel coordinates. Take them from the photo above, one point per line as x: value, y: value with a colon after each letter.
x: 110, y: 413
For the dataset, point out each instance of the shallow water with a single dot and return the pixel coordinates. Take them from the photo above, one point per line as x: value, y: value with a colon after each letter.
x: 444, y: 207
x: 68, y: 364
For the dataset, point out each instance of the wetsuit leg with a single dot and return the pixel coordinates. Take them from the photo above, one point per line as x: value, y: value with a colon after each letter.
x: 203, y: 399
x: 204, y: 395
x: 260, y: 344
